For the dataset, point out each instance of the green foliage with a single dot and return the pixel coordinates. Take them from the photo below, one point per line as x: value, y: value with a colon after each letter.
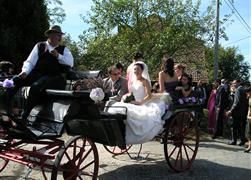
x: 55, y: 12
x: 73, y: 46
x: 22, y: 25
x: 231, y: 64
x: 119, y: 28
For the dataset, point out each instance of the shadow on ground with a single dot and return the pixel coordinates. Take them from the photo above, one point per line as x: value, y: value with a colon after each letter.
x: 201, y: 170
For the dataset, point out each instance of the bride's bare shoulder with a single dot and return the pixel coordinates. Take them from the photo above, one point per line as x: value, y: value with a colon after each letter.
x: 145, y: 81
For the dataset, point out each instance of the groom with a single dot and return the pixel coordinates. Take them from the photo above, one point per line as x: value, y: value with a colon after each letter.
x: 115, y: 85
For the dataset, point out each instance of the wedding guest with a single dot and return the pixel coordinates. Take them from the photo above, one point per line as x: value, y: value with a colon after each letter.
x: 200, y: 92
x: 185, y: 86
x: 211, y: 111
x: 179, y: 70
x: 7, y: 68
x: 239, y: 113
x: 221, y: 104
x: 168, y: 80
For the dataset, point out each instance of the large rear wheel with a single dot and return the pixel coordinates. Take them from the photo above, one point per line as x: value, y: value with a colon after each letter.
x: 181, y: 141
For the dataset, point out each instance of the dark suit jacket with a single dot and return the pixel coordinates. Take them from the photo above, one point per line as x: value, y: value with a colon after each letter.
x: 240, y: 104
x: 221, y: 100
x: 115, y: 90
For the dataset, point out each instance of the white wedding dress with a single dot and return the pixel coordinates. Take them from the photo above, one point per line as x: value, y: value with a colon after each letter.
x: 143, y: 121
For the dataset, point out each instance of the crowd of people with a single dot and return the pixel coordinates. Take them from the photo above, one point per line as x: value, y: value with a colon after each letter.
x: 229, y: 103
x: 48, y: 60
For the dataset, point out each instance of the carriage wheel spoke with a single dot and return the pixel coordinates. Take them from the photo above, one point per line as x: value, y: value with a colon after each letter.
x: 80, y: 177
x: 181, y: 162
x: 189, y: 147
x: 68, y: 156
x: 177, y: 157
x: 81, y: 160
x: 80, y: 155
x: 74, y: 149
x: 186, y: 153
x: 172, y: 151
x: 87, y: 165
x: 82, y: 150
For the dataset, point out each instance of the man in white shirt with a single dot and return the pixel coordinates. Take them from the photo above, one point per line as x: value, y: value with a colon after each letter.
x: 43, y: 68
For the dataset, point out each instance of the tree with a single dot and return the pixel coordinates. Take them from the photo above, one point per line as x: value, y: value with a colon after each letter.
x: 55, y: 12
x: 74, y: 48
x: 22, y: 25
x: 121, y: 27
x: 231, y: 64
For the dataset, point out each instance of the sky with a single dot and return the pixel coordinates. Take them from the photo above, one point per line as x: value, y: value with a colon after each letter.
x: 239, y: 35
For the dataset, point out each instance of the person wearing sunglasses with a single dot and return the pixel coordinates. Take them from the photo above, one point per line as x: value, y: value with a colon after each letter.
x: 115, y: 85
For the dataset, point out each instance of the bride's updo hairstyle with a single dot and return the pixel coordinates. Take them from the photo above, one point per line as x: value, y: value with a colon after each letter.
x: 168, y: 66
x: 140, y: 65
x: 137, y: 55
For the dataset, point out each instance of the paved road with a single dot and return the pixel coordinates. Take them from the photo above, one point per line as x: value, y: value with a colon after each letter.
x: 215, y: 161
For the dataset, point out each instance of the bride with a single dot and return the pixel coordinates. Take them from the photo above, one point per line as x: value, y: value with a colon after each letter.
x: 144, y: 113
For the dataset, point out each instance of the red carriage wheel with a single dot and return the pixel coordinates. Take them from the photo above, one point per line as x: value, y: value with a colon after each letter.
x: 78, y: 159
x: 115, y: 150
x: 181, y: 141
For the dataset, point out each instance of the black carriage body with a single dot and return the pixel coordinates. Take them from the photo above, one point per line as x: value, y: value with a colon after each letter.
x: 80, y: 116
x: 84, y: 118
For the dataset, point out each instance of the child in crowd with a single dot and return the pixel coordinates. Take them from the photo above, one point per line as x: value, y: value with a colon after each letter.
x: 184, y: 88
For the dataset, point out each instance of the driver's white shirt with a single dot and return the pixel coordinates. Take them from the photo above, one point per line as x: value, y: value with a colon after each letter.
x: 29, y: 64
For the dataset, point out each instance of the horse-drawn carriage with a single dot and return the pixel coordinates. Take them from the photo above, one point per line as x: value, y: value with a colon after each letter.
x: 74, y: 112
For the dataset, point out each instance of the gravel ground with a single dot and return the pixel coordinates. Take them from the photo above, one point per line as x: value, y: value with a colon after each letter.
x: 215, y: 160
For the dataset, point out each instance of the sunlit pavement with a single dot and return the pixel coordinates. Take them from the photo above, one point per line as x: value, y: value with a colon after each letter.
x: 215, y: 160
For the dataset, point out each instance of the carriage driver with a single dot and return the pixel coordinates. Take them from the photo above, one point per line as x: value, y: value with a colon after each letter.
x: 43, y: 69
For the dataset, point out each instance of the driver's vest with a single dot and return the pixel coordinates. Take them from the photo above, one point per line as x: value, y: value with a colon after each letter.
x: 47, y: 64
